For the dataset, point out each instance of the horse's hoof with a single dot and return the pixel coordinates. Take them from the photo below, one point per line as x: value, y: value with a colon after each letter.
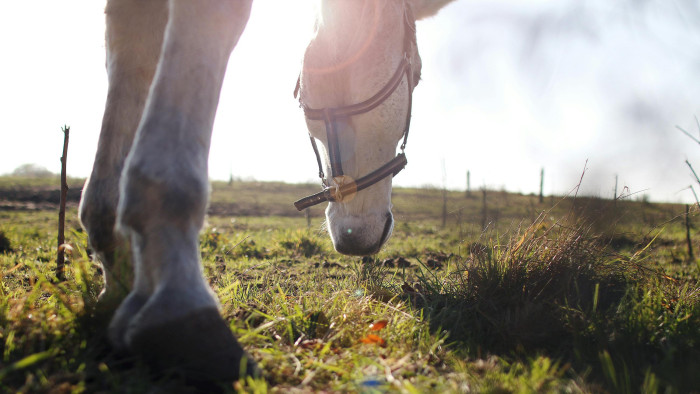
x: 198, y: 345
x: 121, y: 320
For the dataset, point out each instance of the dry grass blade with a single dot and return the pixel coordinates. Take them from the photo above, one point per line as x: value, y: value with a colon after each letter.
x: 692, y: 137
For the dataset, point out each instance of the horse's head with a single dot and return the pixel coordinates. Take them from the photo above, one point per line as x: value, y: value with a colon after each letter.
x: 356, y: 84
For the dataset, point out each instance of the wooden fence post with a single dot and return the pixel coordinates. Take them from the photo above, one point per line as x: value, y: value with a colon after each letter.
x: 444, y: 194
x: 691, y: 257
x: 444, y: 206
x: 469, y: 187
x: 484, y: 211
x: 542, y: 185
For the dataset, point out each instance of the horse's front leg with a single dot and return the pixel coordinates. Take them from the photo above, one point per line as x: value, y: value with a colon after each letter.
x: 134, y: 37
x: 164, y: 193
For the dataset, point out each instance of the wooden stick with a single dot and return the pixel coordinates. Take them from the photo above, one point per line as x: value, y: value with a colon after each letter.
x: 60, y: 259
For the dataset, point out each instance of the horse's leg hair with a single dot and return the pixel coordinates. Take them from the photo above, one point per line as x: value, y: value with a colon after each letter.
x: 134, y: 35
x: 164, y: 194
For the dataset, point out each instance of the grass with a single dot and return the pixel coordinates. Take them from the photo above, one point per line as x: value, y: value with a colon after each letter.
x: 578, y: 295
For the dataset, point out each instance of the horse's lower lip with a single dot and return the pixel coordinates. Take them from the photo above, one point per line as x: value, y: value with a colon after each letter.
x: 388, y: 225
x: 386, y: 232
x: 353, y: 246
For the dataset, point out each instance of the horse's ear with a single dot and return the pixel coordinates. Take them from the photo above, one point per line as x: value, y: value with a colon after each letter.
x: 425, y: 8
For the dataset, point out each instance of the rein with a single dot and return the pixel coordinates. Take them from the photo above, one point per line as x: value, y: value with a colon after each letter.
x: 330, y: 115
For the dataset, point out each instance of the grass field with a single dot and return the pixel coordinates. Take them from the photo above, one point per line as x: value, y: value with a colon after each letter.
x: 509, y: 295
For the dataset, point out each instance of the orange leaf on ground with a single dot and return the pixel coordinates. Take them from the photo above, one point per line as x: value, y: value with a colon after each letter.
x: 378, y: 325
x: 371, y: 338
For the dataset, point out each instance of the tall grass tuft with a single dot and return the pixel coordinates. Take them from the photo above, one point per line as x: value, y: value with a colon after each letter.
x: 300, y: 243
x: 528, y: 293
x: 559, y: 290
x: 5, y: 246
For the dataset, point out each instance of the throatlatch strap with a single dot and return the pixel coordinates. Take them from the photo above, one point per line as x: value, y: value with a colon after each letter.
x: 318, y: 158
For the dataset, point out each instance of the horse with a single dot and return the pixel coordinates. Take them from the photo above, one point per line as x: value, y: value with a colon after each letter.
x: 145, y: 200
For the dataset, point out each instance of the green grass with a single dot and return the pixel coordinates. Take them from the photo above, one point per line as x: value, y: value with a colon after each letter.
x: 573, y: 295
x: 42, y: 183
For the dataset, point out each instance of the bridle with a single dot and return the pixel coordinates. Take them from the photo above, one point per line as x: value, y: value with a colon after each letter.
x: 330, y: 115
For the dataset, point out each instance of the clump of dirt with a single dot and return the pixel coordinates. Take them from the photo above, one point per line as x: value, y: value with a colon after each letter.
x: 398, y: 262
x: 5, y: 246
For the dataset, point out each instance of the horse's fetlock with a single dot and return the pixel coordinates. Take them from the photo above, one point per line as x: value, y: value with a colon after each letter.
x: 97, y: 212
x: 180, y: 197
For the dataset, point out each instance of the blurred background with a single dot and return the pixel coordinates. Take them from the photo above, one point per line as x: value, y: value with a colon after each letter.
x: 509, y: 88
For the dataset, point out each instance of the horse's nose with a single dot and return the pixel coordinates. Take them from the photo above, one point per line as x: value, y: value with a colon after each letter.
x: 361, y: 236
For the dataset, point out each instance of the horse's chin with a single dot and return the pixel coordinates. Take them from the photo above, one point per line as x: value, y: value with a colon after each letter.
x: 359, y: 235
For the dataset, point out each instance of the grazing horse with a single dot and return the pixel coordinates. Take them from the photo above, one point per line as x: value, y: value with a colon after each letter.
x: 145, y: 201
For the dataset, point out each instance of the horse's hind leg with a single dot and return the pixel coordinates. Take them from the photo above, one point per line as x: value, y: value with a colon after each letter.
x: 164, y: 196
x: 134, y: 37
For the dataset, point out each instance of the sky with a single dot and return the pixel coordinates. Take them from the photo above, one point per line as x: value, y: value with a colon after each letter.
x: 509, y: 87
